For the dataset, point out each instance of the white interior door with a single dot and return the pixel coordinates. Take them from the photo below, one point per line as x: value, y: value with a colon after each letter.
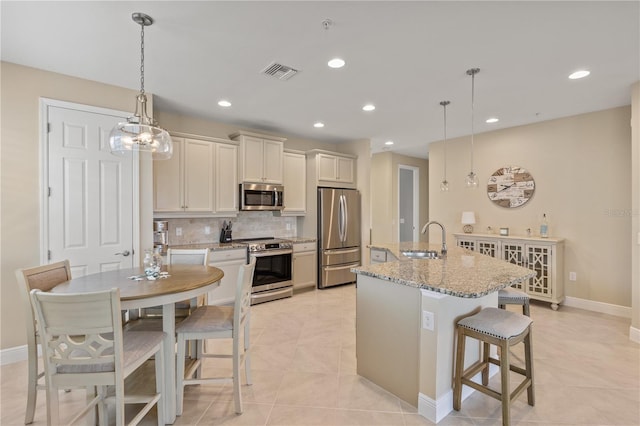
x: 91, y: 208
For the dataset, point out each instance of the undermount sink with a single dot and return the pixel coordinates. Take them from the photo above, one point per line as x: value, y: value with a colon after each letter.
x: 421, y: 254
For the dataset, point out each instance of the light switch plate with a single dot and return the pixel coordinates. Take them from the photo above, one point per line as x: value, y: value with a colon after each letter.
x: 178, y: 231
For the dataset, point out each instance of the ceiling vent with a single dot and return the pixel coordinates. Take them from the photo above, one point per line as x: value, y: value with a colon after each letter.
x: 279, y: 71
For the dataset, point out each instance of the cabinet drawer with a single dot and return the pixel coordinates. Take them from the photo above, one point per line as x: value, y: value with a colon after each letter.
x: 378, y: 256
x: 304, y: 247
x: 224, y: 255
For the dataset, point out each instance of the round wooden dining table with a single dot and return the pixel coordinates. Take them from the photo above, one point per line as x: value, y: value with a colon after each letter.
x: 182, y: 282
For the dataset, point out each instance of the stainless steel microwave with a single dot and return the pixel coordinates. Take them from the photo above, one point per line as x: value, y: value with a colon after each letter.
x: 259, y: 196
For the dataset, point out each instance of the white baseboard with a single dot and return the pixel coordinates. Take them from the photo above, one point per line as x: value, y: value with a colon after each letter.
x: 436, y: 410
x: 634, y: 334
x: 601, y: 307
x: 15, y: 354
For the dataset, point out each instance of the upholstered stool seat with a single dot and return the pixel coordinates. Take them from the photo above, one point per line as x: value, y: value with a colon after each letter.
x: 493, y: 326
x: 511, y: 296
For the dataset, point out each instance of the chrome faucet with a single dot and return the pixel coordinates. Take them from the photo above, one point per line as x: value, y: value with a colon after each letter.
x: 425, y: 229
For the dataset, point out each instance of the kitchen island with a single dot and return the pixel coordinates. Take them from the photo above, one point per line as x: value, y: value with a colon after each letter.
x: 406, y: 311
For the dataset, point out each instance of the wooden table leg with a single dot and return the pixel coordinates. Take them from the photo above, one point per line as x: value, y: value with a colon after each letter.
x: 169, y: 327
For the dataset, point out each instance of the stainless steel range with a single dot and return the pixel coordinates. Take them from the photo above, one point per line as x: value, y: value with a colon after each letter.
x: 272, y: 276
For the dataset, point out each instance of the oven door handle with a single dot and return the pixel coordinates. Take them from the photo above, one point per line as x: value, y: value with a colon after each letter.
x: 270, y: 253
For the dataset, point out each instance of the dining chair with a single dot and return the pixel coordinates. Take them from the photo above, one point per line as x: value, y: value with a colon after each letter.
x: 218, y: 322
x: 42, y: 278
x: 85, y: 346
x: 180, y: 257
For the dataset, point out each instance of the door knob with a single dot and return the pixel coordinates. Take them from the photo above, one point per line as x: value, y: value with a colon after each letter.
x: 125, y: 253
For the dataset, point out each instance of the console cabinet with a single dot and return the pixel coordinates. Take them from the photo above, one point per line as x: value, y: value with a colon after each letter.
x: 543, y: 255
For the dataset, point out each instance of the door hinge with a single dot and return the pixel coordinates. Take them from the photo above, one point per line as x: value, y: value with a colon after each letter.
x: 49, y: 191
x: 48, y: 254
x: 48, y: 127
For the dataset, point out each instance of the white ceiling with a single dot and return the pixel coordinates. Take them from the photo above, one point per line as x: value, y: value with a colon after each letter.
x: 405, y: 57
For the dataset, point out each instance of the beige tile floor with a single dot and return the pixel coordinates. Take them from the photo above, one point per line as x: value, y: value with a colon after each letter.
x: 587, y: 372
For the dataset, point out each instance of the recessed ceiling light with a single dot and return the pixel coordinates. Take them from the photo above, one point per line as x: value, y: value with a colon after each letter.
x: 336, y: 63
x: 579, y: 74
x: 368, y: 107
x: 388, y: 143
x: 492, y: 120
x: 224, y: 103
x: 318, y: 125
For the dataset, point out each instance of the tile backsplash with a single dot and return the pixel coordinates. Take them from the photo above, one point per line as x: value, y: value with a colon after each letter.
x: 245, y: 225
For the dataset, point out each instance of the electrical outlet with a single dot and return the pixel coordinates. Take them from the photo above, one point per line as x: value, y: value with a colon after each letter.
x: 179, y: 232
x: 572, y: 276
x: 428, y: 320
x: 288, y: 227
x: 207, y: 230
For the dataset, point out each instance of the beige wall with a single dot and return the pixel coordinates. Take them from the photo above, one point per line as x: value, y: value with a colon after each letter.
x: 582, y: 171
x: 21, y: 89
x: 384, y: 197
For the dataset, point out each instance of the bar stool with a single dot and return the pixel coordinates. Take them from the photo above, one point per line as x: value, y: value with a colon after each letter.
x: 511, y: 296
x: 502, y: 328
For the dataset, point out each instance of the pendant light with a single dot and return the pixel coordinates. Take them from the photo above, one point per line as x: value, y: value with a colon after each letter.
x: 141, y: 132
x: 444, y: 185
x: 472, y: 179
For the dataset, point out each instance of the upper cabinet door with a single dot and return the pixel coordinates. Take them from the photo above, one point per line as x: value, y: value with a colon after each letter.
x: 273, y: 152
x: 198, y: 176
x: 253, y: 159
x: 226, y: 172
x: 295, y: 183
x: 168, y: 180
x: 344, y: 167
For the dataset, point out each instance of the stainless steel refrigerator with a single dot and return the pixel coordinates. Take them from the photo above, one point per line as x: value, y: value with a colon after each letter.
x: 338, y: 235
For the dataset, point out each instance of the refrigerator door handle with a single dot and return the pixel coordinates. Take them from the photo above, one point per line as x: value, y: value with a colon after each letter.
x: 345, y: 212
x: 341, y: 223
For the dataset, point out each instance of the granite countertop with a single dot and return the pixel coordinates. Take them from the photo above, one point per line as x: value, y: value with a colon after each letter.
x: 213, y: 246
x: 296, y: 240
x: 462, y: 273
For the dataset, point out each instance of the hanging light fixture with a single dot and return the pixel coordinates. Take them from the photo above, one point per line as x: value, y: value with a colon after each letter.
x: 472, y: 179
x: 141, y: 132
x: 444, y: 185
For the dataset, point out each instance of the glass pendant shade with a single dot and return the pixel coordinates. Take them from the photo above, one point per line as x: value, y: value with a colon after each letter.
x: 444, y: 185
x: 471, y: 180
x: 141, y: 133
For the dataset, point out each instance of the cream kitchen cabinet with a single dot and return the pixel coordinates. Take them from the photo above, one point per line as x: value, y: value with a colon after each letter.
x: 295, y: 184
x: 229, y: 261
x: 199, y: 179
x: 543, y: 255
x: 304, y: 265
x: 334, y: 168
x: 184, y: 183
x: 226, y: 178
x: 261, y: 158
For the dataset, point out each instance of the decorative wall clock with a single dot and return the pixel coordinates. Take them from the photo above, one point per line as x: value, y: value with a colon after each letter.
x: 510, y: 186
